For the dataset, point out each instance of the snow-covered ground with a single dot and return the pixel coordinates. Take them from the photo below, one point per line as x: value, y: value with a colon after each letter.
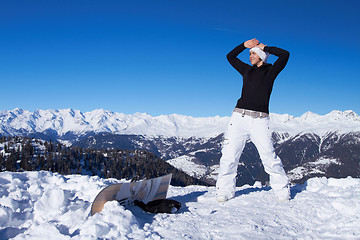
x: 44, y: 205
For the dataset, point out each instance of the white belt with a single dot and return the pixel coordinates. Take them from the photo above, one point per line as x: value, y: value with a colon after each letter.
x: 251, y: 113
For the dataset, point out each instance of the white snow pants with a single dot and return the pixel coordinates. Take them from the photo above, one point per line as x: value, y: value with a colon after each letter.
x: 240, y: 129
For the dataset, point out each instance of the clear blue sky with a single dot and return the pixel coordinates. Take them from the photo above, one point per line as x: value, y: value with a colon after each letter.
x: 164, y: 57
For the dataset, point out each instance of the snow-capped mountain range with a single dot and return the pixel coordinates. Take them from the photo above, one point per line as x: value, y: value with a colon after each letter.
x: 99, y: 121
x: 311, y: 145
x: 65, y: 121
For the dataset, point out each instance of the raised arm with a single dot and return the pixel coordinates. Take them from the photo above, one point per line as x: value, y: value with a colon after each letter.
x: 239, y: 65
x: 283, y: 57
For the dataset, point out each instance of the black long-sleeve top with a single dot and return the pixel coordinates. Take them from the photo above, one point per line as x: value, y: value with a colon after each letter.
x: 257, y: 81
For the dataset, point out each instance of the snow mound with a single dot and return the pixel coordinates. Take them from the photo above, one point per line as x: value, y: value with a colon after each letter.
x: 43, y: 205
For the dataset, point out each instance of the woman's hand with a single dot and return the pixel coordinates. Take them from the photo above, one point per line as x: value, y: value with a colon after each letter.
x: 261, y: 46
x: 251, y: 43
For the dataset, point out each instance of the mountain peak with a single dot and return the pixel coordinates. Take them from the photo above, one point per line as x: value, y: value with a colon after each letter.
x: 309, y: 116
x: 18, y: 111
x: 337, y: 115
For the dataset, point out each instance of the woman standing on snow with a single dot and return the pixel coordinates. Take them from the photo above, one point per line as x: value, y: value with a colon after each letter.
x: 250, y: 119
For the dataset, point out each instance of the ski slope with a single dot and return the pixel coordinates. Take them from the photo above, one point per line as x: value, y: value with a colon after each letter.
x: 45, y: 205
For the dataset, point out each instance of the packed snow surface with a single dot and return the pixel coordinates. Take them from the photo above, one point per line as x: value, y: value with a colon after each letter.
x: 45, y: 205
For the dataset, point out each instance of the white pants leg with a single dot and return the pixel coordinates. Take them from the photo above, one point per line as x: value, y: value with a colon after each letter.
x: 239, y: 130
x: 260, y: 135
x: 234, y: 142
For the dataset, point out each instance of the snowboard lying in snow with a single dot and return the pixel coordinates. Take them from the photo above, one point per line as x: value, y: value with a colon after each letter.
x: 126, y: 193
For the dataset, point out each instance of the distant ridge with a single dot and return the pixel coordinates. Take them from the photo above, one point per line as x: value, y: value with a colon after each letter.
x: 64, y: 121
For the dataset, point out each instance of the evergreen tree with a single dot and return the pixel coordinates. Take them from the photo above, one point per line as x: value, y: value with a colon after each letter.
x: 1, y: 161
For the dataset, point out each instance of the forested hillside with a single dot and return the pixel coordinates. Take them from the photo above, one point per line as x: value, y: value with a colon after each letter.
x: 27, y: 154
